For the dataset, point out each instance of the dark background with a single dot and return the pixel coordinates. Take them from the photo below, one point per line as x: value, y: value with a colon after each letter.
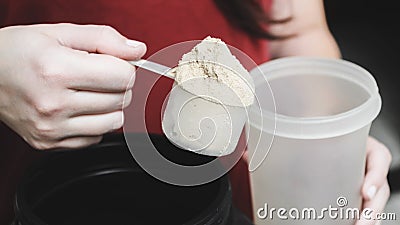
x: 367, y: 34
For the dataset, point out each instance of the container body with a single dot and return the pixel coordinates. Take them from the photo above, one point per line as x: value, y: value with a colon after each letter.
x: 304, y: 173
x: 314, y: 169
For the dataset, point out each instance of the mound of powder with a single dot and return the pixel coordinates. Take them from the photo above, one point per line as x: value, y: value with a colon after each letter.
x: 211, y: 71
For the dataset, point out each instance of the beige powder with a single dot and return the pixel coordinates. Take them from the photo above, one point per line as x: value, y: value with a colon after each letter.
x: 211, y: 71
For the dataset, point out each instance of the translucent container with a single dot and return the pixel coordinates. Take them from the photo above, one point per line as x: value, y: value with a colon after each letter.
x: 324, y: 109
x: 195, y: 123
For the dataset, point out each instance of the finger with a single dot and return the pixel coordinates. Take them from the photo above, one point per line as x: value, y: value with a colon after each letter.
x: 93, y: 72
x: 376, y: 205
x: 91, y: 103
x: 79, y: 142
x: 93, y: 125
x: 96, y: 39
x: 378, y: 162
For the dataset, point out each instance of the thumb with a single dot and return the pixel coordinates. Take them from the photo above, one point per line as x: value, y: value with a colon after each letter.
x: 96, y: 39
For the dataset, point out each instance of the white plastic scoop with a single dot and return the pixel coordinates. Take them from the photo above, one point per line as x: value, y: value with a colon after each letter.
x: 206, y: 108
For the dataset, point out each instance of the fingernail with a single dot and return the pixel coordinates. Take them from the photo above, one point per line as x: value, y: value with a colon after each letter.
x: 371, y: 192
x: 134, y: 43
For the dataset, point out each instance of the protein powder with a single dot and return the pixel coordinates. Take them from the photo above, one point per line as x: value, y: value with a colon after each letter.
x: 206, y: 109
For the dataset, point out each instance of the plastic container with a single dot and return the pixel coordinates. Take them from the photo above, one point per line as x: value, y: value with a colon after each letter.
x: 103, y: 185
x: 324, y: 109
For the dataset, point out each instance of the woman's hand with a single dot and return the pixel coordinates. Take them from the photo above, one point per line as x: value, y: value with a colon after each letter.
x: 375, y: 190
x: 65, y: 85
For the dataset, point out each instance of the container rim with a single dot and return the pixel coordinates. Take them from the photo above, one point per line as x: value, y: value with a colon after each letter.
x: 311, y: 127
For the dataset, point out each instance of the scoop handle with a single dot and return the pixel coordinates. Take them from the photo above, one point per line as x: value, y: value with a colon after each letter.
x: 153, y: 67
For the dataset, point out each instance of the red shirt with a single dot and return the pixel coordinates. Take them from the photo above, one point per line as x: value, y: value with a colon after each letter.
x: 158, y: 23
